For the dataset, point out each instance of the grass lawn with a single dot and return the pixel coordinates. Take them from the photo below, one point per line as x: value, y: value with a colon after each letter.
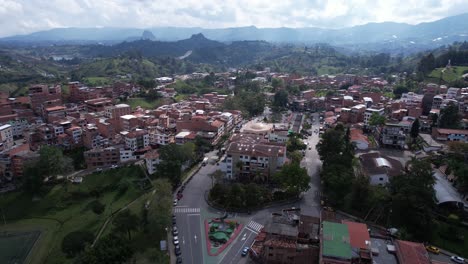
x: 134, y: 102
x: 65, y: 208
x: 449, y: 75
x: 97, y: 81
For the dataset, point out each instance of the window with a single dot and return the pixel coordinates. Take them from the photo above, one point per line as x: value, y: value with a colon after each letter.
x: 381, y: 178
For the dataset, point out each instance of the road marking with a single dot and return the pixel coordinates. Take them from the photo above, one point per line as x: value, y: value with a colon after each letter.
x: 255, y: 226
x: 186, y: 210
x: 241, y: 248
x: 253, y: 231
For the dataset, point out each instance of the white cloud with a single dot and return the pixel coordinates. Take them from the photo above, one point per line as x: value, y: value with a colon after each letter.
x: 25, y: 16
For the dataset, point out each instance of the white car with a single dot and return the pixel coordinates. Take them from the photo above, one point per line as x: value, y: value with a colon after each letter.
x: 114, y: 166
x: 175, y: 202
x: 457, y: 259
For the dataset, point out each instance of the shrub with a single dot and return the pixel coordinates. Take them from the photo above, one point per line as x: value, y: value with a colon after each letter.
x: 97, y: 207
x: 75, y: 242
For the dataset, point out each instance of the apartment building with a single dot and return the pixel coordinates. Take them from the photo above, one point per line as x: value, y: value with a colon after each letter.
x: 445, y: 134
x: 102, y: 157
x: 41, y: 94
x: 152, y: 160
x: 98, y: 104
x: 393, y: 135
x: 6, y: 137
x: 136, y: 140
x: 368, y: 113
x: 116, y: 111
x: 249, y: 154
x: 159, y: 136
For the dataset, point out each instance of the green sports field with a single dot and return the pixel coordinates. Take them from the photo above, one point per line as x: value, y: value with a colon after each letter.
x: 15, y: 246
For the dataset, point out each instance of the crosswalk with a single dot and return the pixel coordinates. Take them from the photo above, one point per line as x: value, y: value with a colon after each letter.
x: 186, y: 210
x: 255, y: 226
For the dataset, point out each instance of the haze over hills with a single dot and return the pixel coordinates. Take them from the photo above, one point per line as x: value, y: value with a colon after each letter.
x: 370, y: 36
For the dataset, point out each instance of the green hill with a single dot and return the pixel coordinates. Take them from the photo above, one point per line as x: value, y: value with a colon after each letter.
x: 136, y: 67
x: 449, y: 75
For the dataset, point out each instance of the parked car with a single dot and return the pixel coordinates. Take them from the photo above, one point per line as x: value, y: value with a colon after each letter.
x: 98, y: 169
x: 177, y: 251
x: 179, y: 260
x: 175, y: 232
x: 245, y: 250
x: 114, y: 166
x: 174, y: 220
x: 176, y: 240
x: 433, y: 249
x: 457, y: 259
x: 175, y: 202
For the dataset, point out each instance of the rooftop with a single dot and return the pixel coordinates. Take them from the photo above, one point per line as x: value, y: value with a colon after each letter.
x: 411, y: 252
x: 336, y: 241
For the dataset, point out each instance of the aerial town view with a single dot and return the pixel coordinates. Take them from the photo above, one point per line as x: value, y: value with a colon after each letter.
x: 328, y: 132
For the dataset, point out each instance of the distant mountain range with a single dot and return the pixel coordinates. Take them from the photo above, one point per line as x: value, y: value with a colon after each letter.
x: 387, y: 36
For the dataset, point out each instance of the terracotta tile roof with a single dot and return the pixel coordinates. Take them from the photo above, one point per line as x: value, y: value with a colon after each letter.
x: 358, y: 234
x: 356, y: 134
x: 55, y: 108
x: 411, y: 252
x: 452, y: 131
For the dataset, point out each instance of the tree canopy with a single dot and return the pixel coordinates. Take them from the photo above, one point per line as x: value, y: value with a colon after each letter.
x: 51, y: 162
x: 413, y: 198
x: 449, y: 117
x: 414, y: 132
x: 172, y: 157
x: 293, y: 178
x: 376, y: 119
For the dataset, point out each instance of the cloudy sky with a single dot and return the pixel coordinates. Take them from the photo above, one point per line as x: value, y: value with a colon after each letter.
x: 25, y: 16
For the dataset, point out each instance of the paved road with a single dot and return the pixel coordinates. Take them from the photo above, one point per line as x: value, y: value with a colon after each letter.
x: 192, y: 210
x: 234, y: 254
x: 190, y: 237
x: 189, y: 216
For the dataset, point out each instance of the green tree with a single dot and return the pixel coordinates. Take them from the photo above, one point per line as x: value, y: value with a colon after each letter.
x: 413, y: 199
x: 127, y: 222
x: 294, y: 143
x: 295, y: 156
x: 399, y: 90
x: 280, y: 100
x: 51, y: 163
x: 449, y: 117
x: 276, y: 83
x: 414, y: 132
x: 216, y: 176
x: 293, y: 178
x: 157, y: 216
x: 376, y: 119
x: 110, y: 249
x: 97, y: 207
x: 172, y: 157
x: 75, y: 242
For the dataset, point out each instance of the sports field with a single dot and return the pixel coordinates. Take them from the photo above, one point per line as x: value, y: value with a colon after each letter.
x: 15, y: 246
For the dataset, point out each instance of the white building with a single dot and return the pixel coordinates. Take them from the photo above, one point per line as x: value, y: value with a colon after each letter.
x: 157, y: 136
x: 19, y: 125
x: 126, y: 155
x: 6, y: 137
x: 152, y: 160
x: 368, y: 113
x: 138, y: 139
